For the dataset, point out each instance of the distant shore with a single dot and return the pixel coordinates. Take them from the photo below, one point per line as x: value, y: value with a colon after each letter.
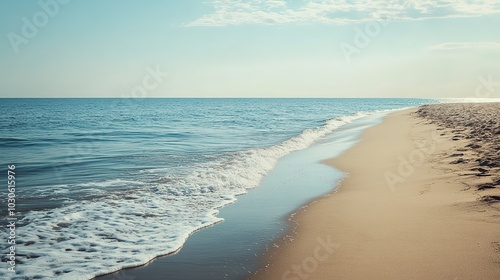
x: 421, y: 201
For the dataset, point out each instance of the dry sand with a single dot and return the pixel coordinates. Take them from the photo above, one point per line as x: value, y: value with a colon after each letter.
x: 420, y: 202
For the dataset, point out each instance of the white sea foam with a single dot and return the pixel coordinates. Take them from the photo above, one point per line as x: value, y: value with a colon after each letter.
x: 126, y: 229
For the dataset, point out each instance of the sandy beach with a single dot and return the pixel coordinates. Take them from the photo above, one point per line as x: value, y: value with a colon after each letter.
x: 421, y: 201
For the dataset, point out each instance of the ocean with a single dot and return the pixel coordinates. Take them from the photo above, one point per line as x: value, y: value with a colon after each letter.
x: 106, y: 184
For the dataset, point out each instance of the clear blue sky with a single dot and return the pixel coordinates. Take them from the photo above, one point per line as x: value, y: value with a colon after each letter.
x: 276, y: 48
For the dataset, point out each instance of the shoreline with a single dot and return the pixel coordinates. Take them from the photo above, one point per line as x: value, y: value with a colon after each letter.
x: 232, y: 249
x: 432, y: 220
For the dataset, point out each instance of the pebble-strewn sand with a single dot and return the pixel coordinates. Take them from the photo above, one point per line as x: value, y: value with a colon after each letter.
x: 477, y: 128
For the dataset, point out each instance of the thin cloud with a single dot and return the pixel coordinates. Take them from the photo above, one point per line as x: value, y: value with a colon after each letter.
x: 339, y: 12
x: 467, y: 46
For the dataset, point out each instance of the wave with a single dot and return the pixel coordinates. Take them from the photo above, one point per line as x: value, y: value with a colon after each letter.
x: 129, y: 228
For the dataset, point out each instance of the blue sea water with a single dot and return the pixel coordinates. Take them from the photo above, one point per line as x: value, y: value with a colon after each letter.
x: 104, y: 184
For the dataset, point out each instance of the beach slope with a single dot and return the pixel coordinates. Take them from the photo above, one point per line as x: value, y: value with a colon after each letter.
x: 420, y: 201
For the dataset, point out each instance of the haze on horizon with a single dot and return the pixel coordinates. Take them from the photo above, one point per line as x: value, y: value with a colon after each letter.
x: 276, y: 48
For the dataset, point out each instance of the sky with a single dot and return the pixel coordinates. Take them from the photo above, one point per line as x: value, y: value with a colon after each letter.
x: 254, y: 48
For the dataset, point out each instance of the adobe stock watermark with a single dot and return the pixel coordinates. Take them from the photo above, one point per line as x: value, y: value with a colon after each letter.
x: 310, y: 264
x: 31, y: 26
x: 363, y: 38
x: 151, y: 81
x: 486, y: 87
x: 153, y: 78
x: 407, y: 165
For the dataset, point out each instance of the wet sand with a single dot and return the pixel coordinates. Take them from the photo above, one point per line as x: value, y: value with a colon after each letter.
x: 421, y: 201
